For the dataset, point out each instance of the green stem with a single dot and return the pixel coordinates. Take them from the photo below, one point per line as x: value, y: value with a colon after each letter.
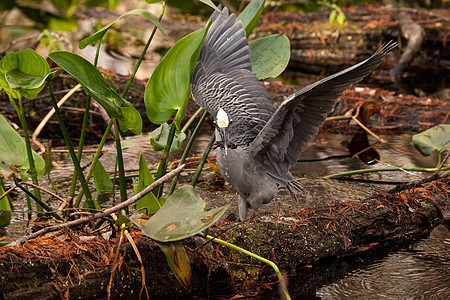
x: 439, y: 159
x: 362, y: 171
x: 38, y: 201
x: 165, y: 157
x: 143, y: 53
x: 203, y: 160
x: 94, y: 161
x: 122, y: 182
x: 255, y: 256
x: 26, y: 136
x: 186, y: 151
x: 191, y: 119
x: 83, y: 128
x: 92, y: 202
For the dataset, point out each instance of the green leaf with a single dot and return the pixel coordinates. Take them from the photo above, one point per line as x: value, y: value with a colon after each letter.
x: 178, y: 261
x: 99, y: 34
x: 154, y: 1
x: 181, y: 216
x: 96, y: 86
x: 270, y: 55
x: 145, y: 179
x: 169, y: 86
x: 13, y: 152
x: 211, y: 4
x: 23, y: 73
x: 340, y: 18
x: 435, y: 138
x: 103, y: 185
x: 332, y: 16
x: 159, y: 136
x: 250, y: 15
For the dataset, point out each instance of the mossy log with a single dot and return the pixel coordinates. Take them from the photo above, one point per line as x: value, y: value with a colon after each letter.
x: 309, y: 245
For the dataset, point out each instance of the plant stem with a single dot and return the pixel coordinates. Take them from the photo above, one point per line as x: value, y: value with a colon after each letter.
x: 122, y: 183
x: 165, y: 157
x: 255, y: 256
x: 92, y: 202
x: 83, y: 128
x: 362, y: 171
x: 94, y: 161
x: 191, y: 119
x: 186, y: 150
x: 38, y: 201
x: 143, y: 53
x: 203, y: 160
x: 26, y: 136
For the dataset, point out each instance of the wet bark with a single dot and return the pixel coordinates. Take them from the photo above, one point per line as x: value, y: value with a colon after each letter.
x: 311, y: 245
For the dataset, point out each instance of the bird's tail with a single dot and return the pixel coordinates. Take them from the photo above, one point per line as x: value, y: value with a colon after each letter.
x: 294, y: 187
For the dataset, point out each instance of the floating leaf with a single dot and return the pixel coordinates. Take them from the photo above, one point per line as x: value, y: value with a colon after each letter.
x: 270, y: 55
x: 13, y: 152
x: 250, y: 15
x: 159, y: 136
x: 435, y: 138
x: 149, y: 201
x: 96, y: 86
x: 169, y: 86
x: 99, y: 34
x: 178, y: 261
x: 23, y: 73
x: 182, y: 216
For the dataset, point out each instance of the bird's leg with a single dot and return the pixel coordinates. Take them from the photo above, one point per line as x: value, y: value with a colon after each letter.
x: 243, y: 208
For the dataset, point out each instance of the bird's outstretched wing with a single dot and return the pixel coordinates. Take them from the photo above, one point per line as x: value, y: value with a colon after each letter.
x: 223, y: 78
x: 297, y: 120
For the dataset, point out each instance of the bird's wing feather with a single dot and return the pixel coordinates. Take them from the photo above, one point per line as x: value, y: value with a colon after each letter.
x: 223, y: 78
x: 296, y: 121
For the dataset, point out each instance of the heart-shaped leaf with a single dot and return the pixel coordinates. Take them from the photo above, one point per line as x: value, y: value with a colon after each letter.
x: 99, y: 34
x: 270, y: 55
x: 23, y: 73
x: 250, y: 15
x: 182, y: 216
x: 169, y: 86
x: 95, y: 85
x: 13, y: 152
x: 435, y: 138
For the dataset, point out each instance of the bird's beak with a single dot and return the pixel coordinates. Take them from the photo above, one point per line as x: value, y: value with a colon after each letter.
x: 223, y: 131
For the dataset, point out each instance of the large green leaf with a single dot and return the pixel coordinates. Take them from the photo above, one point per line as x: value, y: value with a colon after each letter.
x: 250, y: 15
x: 169, y: 86
x: 23, y: 73
x: 435, y: 138
x: 103, y: 185
x: 149, y: 201
x: 99, y: 34
x: 96, y: 86
x: 182, y: 216
x: 159, y: 136
x: 270, y: 55
x: 13, y: 152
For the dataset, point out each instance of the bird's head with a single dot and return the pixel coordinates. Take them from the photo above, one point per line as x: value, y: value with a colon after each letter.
x: 222, y: 122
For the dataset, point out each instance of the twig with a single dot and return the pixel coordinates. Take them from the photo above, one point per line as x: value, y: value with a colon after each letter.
x: 102, y: 214
x: 367, y: 129
x: 44, y: 190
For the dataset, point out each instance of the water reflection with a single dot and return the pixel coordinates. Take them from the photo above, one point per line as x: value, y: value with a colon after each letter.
x: 422, y: 272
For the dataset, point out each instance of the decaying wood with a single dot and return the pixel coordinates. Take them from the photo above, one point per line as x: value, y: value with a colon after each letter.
x: 304, y: 244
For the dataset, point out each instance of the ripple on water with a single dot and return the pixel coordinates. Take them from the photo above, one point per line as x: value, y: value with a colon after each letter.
x: 420, y: 273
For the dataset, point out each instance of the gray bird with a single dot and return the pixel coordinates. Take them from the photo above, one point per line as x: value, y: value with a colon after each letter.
x: 258, y: 143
